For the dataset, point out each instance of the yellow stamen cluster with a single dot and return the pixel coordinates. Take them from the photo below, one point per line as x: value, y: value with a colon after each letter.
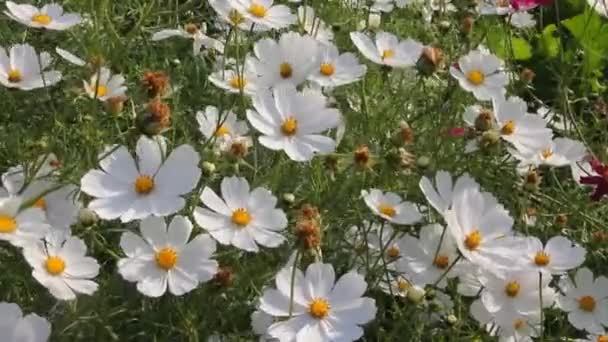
x: 285, y: 70
x: 40, y: 203
x: 441, y: 261
x: 393, y: 252
x: 54, y: 265
x: 42, y: 19
x: 101, y: 90
x: 508, y: 128
x: 387, y: 209
x: 238, y: 82
x: 14, y: 76
x: 542, y: 259
x: 512, y: 289
x: 473, y: 240
x: 7, y: 224
x: 144, y: 184
x: 327, y: 69
x: 241, y: 217
x: 289, y: 127
x: 166, y: 258
x: 221, y: 131
x: 546, y: 153
x: 587, y: 303
x: 476, y: 77
x: 319, y: 308
x: 258, y: 10
x: 388, y: 54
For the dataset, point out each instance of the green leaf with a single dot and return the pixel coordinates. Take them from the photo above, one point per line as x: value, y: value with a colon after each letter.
x: 592, y: 34
x: 506, y: 47
x: 549, y: 41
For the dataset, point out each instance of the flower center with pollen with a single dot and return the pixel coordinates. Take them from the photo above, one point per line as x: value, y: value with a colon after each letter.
x: 257, y: 10
x: 587, y: 303
x: 289, y: 127
x: 512, y: 289
x: 518, y: 324
x: 236, y: 17
x: 473, y: 240
x: 166, y: 258
x: 101, y: 91
x: 319, y: 308
x: 241, y: 217
x: 542, y: 259
x: 14, y: 76
x: 144, y: 184
x: 327, y: 69
x: 476, y: 77
x: 238, y: 82
x: 42, y: 19
x: 602, y: 338
x: 546, y: 153
x: 221, y: 131
x: 393, y: 252
x: 7, y: 224
x: 388, y: 54
x: 54, y: 265
x: 403, y: 285
x: 508, y: 128
x: 285, y: 70
x: 441, y: 261
x: 387, y: 209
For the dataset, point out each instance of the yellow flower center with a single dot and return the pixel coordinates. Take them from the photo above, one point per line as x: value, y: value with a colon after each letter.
x: 508, y: 128
x: 512, y: 289
x: 602, y: 338
x: 166, y: 258
x: 42, y: 19
x: 403, y: 285
x: 7, y: 224
x: 101, y: 91
x: 285, y: 70
x: 235, y: 17
x: 476, y: 77
x: 327, y: 69
x: 54, y: 265
x: 586, y: 303
x: 221, y: 131
x: 386, y: 209
x: 241, y: 217
x: 441, y: 261
x: 289, y: 127
x: 238, y: 82
x: 546, y: 153
x: 393, y: 252
x: 388, y: 54
x: 518, y: 324
x: 542, y: 259
x: 144, y: 184
x: 319, y: 308
x: 257, y: 10
x: 473, y: 240
x: 40, y: 203
x: 14, y: 76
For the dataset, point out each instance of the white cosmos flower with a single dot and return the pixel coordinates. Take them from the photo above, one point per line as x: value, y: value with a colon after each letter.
x: 151, y: 186
x: 199, y: 39
x: 471, y: 278
x: 243, y: 218
x: 522, y: 20
x: 494, y: 7
x: 212, y: 124
x: 23, y: 68
x: 60, y: 263
x: 396, y: 285
x: 387, y: 49
x: 600, y: 6
x: 335, y: 69
x: 557, y: 257
x: 260, y: 322
x: 382, y: 237
x: 557, y: 152
x: 509, y: 325
x: 322, y: 310
x: 480, y: 73
x: 441, y: 198
x: 314, y: 25
x: 290, y: 60
x: 585, y: 300
x: 165, y: 257
x: 103, y: 85
x: 293, y: 121
x: 235, y: 82
x: 523, y: 130
x: 427, y: 260
x: 233, y: 17
x: 50, y: 16
x: 21, y: 227
x: 391, y: 207
x: 264, y: 13
x: 18, y: 328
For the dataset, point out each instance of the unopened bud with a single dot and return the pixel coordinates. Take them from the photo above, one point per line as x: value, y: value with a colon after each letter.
x: 467, y: 25
x: 87, y: 217
x: 115, y: 105
x: 208, y: 168
x: 415, y: 294
x: 527, y: 75
x: 423, y: 162
x: 561, y: 219
x: 490, y: 138
x: 289, y: 197
x: 451, y: 319
x: 374, y: 21
x: 484, y: 120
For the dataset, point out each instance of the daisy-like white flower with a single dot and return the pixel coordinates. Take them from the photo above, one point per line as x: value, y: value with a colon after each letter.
x: 243, y: 218
x: 585, y: 300
x: 264, y: 13
x: 382, y: 237
x: 314, y: 25
x: 557, y: 257
x: 292, y: 121
x: 151, y: 186
x: 233, y: 17
x: 396, y: 285
x: 191, y: 31
x: 441, y: 198
x: 521, y: 129
x: 21, y: 227
x: 103, y: 85
x: 50, y: 16
x: 481, y: 73
x: 516, y: 291
x: 212, y: 124
x: 18, y: 328
x: 290, y: 60
x: 322, y: 310
x: 471, y: 278
x: 163, y: 257
x: 235, y: 82
x: 558, y: 152
x: 60, y: 263
x: 387, y: 49
x: 335, y: 69
x: 522, y: 20
x: 391, y: 207
x: 24, y: 69
x: 426, y: 259
x: 509, y: 325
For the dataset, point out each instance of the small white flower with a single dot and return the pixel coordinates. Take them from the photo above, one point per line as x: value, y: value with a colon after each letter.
x: 23, y: 68
x: 321, y: 310
x: 335, y: 69
x: 516, y: 291
x: 233, y: 82
x: 50, y: 16
x: 509, y: 325
x: 21, y: 227
x: 523, y: 130
x: 522, y: 20
x: 233, y: 17
x: 480, y: 73
x: 243, y: 218
x: 585, y: 300
x: 398, y: 285
x: 387, y: 49
x: 199, y: 39
x: 557, y: 152
x: 163, y: 257
x: 391, y: 207
x: 314, y: 25
x: 211, y: 124
x: 103, y: 85
x: 60, y: 263
x: 264, y: 13
x: 152, y: 186
x: 557, y: 257
x: 441, y: 199
x: 18, y: 328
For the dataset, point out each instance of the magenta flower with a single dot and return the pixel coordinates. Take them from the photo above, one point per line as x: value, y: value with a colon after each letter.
x: 599, y: 180
x: 524, y: 5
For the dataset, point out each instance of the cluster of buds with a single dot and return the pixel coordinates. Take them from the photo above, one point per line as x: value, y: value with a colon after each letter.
x: 308, y: 226
x: 156, y: 83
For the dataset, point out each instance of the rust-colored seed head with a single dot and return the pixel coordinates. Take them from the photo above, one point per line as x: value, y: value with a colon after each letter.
x: 561, y: 219
x: 406, y: 132
x: 156, y: 83
x: 467, y: 25
x: 157, y: 118
x: 434, y: 56
x: 224, y: 276
x: 115, y: 105
x: 309, y: 212
x: 239, y: 149
x: 362, y: 156
x: 527, y: 75
x: 483, y: 122
x: 191, y: 28
x: 600, y: 237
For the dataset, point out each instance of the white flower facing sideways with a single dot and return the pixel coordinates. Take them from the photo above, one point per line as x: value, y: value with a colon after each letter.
x: 245, y: 80
x: 18, y: 328
x: 585, y: 300
x: 243, y: 218
x: 24, y: 69
x: 50, y: 16
x: 165, y: 258
x: 509, y: 325
x: 391, y: 207
x: 60, y: 263
x: 557, y: 257
x: 21, y: 227
x: 481, y: 73
x: 321, y: 310
x: 103, y: 85
x: 335, y: 69
x: 441, y: 198
x: 191, y: 31
x: 293, y: 121
x: 264, y: 13
x: 521, y: 129
x: 387, y: 49
x: 557, y: 152
x: 221, y: 126
x: 151, y: 186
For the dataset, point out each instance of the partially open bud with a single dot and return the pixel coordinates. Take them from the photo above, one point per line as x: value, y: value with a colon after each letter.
x: 532, y: 180
x: 490, y: 138
x: 289, y: 197
x: 484, y: 120
x: 115, y: 105
x: 467, y: 24
x: 423, y: 162
x: 157, y: 118
x: 431, y: 60
x: 156, y: 83
x: 375, y: 19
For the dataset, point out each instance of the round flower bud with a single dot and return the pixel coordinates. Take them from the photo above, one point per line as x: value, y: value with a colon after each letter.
x: 415, y: 294
x: 87, y: 217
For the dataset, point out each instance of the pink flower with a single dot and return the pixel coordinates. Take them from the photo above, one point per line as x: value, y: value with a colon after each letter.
x: 524, y: 5
x: 457, y: 131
